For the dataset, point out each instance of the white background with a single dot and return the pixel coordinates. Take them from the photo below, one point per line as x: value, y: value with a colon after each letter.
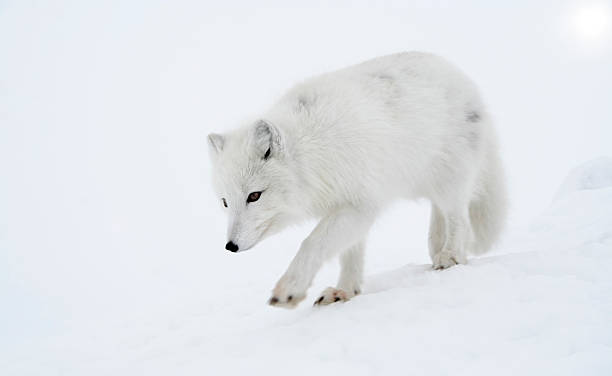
x: 106, y: 211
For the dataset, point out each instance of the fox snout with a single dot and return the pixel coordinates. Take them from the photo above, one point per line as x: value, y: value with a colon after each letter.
x: 231, y: 246
x: 241, y: 238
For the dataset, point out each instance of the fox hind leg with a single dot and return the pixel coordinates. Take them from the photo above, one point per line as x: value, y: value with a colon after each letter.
x: 457, y: 231
x: 437, y: 232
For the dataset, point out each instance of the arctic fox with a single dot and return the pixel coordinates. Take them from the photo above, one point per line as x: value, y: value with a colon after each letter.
x: 342, y: 146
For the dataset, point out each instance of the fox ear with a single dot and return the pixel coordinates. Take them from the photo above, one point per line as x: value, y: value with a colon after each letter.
x: 215, y: 143
x: 267, y: 139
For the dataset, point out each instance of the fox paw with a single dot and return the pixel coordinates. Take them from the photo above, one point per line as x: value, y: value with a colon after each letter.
x: 285, y: 295
x: 332, y: 295
x: 446, y: 259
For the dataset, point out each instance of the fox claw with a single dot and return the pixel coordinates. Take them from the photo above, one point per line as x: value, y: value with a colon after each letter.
x: 332, y: 295
x: 288, y: 302
x: 446, y: 259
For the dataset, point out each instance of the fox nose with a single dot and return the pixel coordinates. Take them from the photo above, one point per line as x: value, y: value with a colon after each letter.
x: 230, y: 246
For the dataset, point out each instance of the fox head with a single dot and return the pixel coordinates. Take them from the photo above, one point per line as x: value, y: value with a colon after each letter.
x: 253, y: 182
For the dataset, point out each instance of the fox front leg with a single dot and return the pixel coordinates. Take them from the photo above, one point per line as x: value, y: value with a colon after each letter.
x: 351, y: 276
x: 334, y: 233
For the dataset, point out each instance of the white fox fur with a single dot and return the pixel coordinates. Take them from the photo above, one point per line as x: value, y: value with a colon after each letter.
x: 342, y: 146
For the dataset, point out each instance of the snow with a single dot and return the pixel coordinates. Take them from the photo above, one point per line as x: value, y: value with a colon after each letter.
x: 541, y: 304
x: 591, y: 175
x: 111, y: 240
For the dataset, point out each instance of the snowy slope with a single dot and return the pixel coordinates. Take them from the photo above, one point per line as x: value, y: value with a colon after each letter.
x: 539, y: 305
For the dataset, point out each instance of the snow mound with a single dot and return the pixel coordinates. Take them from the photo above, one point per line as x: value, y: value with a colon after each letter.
x: 580, y: 214
x: 594, y: 174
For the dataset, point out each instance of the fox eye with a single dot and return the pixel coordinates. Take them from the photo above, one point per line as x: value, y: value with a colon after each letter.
x: 253, y: 196
x: 224, y: 202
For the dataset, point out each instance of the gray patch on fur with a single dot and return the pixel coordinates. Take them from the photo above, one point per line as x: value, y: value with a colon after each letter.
x: 304, y: 103
x: 472, y: 116
x: 393, y: 91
